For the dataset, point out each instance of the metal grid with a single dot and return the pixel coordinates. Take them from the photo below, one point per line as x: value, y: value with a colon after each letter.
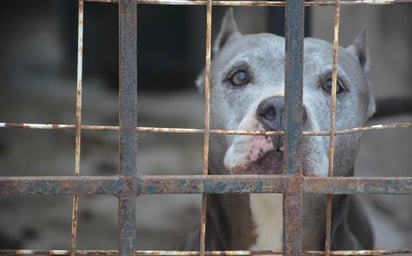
x: 129, y: 184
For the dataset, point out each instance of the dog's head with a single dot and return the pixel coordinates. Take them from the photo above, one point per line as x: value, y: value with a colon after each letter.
x: 247, y: 93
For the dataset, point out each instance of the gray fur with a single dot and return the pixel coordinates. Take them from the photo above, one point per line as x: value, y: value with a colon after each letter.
x: 230, y: 224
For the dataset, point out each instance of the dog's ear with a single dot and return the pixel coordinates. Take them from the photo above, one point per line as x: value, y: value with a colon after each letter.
x: 360, y: 50
x: 227, y: 30
x: 200, y: 81
x: 371, y: 106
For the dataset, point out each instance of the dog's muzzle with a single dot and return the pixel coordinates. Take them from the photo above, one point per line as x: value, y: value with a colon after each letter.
x: 260, y: 154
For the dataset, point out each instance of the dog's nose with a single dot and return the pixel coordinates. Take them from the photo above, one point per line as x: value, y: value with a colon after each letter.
x: 269, y: 113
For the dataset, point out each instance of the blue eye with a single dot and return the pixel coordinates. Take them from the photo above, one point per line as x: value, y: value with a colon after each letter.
x: 240, y: 77
x: 327, y: 86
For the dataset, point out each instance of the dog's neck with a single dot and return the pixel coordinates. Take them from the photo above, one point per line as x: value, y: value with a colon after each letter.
x: 230, y: 224
x: 255, y: 221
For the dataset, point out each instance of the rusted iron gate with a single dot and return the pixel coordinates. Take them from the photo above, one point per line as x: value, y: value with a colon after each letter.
x: 129, y: 184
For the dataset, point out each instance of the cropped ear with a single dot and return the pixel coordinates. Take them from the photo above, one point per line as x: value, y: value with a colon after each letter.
x: 371, y: 106
x: 200, y: 81
x: 227, y: 30
x: 360, y: 50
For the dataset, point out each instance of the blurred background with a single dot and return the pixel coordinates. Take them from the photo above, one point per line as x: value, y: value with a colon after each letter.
x: 37, y: 82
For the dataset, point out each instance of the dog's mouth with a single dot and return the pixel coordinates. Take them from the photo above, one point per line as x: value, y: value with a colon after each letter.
x: 269, y: 163
x: 258, y: 155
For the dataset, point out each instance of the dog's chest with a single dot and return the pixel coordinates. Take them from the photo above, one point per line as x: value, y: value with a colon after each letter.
x: 267, y: 214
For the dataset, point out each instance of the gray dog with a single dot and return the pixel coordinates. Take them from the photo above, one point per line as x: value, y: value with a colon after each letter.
x: 247, y: 93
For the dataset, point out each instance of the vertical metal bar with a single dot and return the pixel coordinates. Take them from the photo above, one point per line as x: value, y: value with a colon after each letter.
x: 75, y: 209
x: 128, y: 123
x: 292, y: 220
x: 333, y: 92
x: 294, y: 84
x: 206, y: 122
x: 207, y: 87
x: 292, y: 200
x: 328, y: 228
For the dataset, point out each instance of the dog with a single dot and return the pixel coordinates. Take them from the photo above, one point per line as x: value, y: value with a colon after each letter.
x: 247, y: 93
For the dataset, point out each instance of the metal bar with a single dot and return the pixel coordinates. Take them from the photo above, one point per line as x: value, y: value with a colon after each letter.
x: 66, y: 185
x: 80, y: 14
x: 202, y: 238
x: 198, y: 184
x: 358, y: 185
x: 292, y: 219
x: 196, y: 253
x: 128, y: 123
x: 214, y: 184
x: 328, y: 222
x: 206, y: 134
x: 333, y: 92
x: 260, y: 3
x: 294, y: 31
x: 292, y: 200
x: 140, y: 129
x: 328, y: 225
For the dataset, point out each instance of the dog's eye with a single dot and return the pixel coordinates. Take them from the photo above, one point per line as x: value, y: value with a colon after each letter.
x: 240, y: 77
x: 327, y: 86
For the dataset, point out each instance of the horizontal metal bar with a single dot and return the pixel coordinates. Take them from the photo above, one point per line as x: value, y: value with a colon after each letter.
x: 260, y: 3
x: 58, y: 126
x: 195, y: 253
x: 197, y: 184
x: 140, y: 129
x: 214, y: 184
x: 63, y: 185
x: 358, y: 185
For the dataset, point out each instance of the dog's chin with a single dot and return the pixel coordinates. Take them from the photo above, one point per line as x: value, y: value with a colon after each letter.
x: 270, y: 163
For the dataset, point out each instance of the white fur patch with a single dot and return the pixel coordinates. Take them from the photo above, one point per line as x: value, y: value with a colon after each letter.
x: 267, y: 213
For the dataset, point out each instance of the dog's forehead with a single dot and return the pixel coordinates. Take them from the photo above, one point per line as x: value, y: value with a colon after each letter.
x: 270, y: 46
x: 321, y: 52
x: 315, y: 43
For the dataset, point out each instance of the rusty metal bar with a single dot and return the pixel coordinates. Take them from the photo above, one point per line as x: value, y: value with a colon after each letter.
x: 292, y: 217
x: 198, y: 184
x: 65, y: 185
x: 292, y: 199
x: 328, y: 222
x: 128, y: 123
x: 328, y: 225
x: 333, y: 91
x: 260, y: 3
x: 141, y: 129
x: 294, y: 30
x: 206, y: 134
x: 358, y: 185
x: 196, y: 253
x: 80, y: 13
